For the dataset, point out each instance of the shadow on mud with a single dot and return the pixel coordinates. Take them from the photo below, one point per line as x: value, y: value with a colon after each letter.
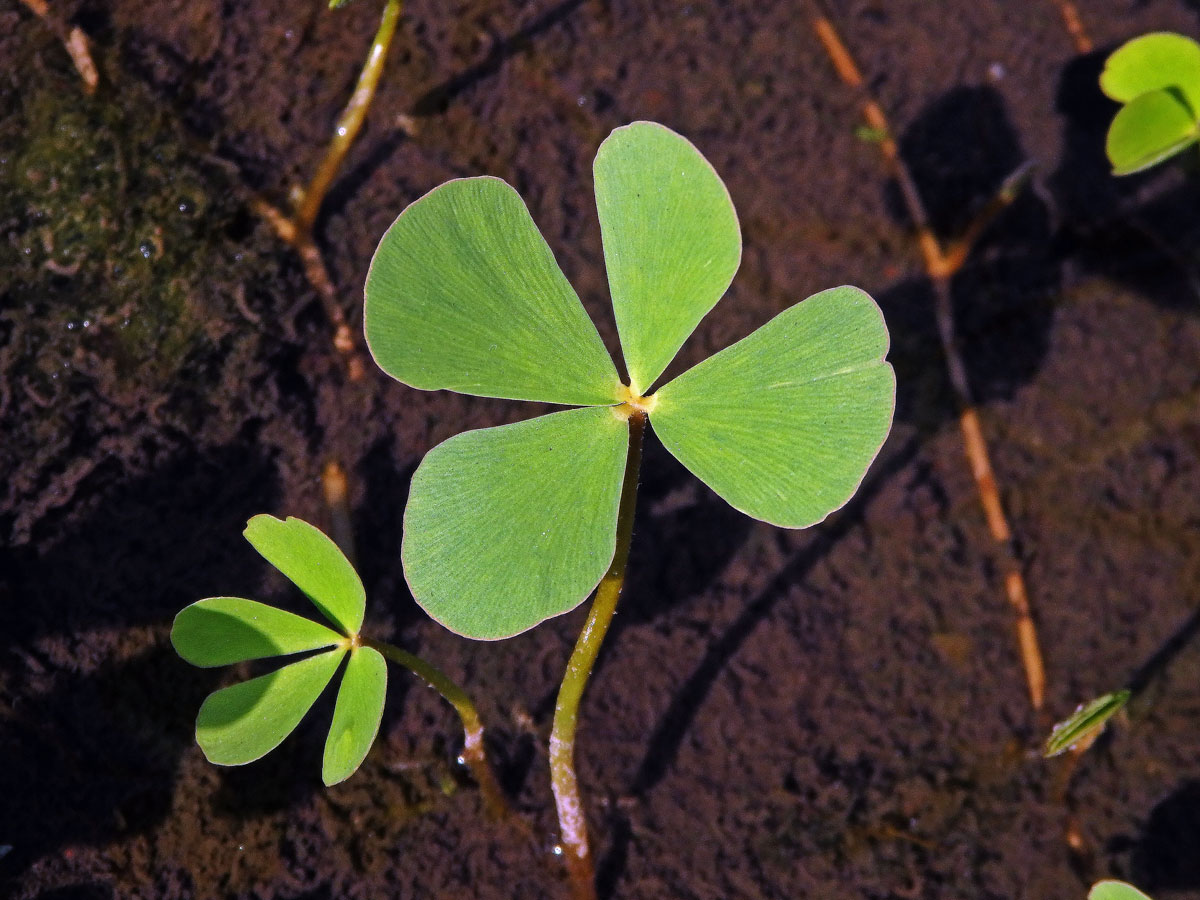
x: 94, y: 737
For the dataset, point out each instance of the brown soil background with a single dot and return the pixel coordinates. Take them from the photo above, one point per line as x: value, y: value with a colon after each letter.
x: 831, y: 713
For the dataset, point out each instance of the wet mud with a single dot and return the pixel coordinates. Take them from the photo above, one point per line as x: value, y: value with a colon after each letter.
x: 832, y: 713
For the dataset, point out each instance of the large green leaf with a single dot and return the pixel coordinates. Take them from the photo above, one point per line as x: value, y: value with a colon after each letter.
x: 245, y: 721
x: 1151, y: 62
x: 314, y: 564
x: 356, y: 716
x: 464, y: 294
x: 1115, y: 890
x: 221, y: 631
x: 671, y: 241
x: 784, y: 423
x: 508, y: 526
x: 1149, y: 129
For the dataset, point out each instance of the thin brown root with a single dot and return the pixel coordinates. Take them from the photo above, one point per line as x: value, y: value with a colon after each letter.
x: 318, y: 277
x: 75, y: 42
x: 337, y: 503
x: 1074, y: 26
x: 941, y: 264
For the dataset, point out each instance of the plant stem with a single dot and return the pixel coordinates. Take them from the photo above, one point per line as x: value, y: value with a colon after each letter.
x: 572, y: 822
x: 350, y: 121
x: 474, y: 754
x: 941, y: 264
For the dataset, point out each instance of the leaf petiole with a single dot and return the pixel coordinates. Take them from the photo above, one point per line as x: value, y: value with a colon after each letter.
x: 572, y: 821
x: 474, y: 754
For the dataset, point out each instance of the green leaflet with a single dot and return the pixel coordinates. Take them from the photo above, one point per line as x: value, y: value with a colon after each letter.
x: 1115, y: 890
x: 1153, y: 61
x: 315, y: 565
x: 508, y: 526
x: 245, y: 721
x: 356, y: 716
x: 1149, y: 129
x: 784, y: 423
x: 671, y: 241
x: 221, y: 631
x: 464, y: 294
x: 1086, y: 724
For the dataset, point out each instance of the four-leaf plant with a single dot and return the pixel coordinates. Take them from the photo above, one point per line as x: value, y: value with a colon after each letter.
x: 242, y: 723
x: 508, y: 526
x: 1156, y: 78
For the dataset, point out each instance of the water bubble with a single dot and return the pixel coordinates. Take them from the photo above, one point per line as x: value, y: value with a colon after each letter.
x: 70, y: 326
x: 341, y: 131
x: 557, y: 850
x: 461, y: 760
x: 87, y: 323
x: 146, y: 249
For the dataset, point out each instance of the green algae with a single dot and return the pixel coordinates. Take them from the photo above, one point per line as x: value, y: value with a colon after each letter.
x: 119, y: 240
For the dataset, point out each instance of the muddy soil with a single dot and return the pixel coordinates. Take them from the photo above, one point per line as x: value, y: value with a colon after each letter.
x: 832, y: 713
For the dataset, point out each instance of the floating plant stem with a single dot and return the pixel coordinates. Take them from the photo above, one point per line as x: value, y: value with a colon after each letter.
x: 572, y: 821
x: 350, y: 121
x: 941, y: 264
x: 474, y: 754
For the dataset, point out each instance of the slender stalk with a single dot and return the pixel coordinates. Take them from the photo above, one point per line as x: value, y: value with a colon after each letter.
x: 941, y: 264
x: 474, y: 754
x: 572, y: 822
x: 350, y: 121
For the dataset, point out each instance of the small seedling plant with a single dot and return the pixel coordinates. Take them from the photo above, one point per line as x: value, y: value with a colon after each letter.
x: 1156, y: 78
x: 242, y: 723
x: 508, y: 526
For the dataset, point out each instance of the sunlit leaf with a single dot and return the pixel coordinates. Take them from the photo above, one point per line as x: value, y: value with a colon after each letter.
x: 356, y: 715
x: 1149, y: 129
x: 1151, y: 62
x: 220, y: 631
x: 1086, y: 724
x: 464, y: 294
x: 1115, y: 890
x: 314, y: 564
x: 671, y: 241
x: 508, y: 526
x: 245, y: 721
x: 784, y: 423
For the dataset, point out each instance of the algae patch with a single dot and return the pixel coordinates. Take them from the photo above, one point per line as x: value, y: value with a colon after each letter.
x: 132, y: 267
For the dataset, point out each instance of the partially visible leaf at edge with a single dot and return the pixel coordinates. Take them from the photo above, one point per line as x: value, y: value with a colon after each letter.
x: 1158, y: 60
x: 220, y: 631
x: 671, y: 241
x: 1115, y: 890
x: 508, y: 526
x: 356, y: 715
x: 784, y: 423
x: 1085, y: 724
x: 1149, y: 129
x: 464, y: 294
x: 246, y: 721
x: 315, y: 564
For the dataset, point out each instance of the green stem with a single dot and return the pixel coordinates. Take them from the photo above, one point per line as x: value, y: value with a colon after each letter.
x: 474, y: 754
x: 350, y: 121
x: 572, y: 822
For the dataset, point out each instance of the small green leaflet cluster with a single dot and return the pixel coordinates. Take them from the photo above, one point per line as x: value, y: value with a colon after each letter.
x: 1115, y: 890
x: 1086, y: 724
x: 508, y: 526
x: 1157, y: 79
x: 242, y: 723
